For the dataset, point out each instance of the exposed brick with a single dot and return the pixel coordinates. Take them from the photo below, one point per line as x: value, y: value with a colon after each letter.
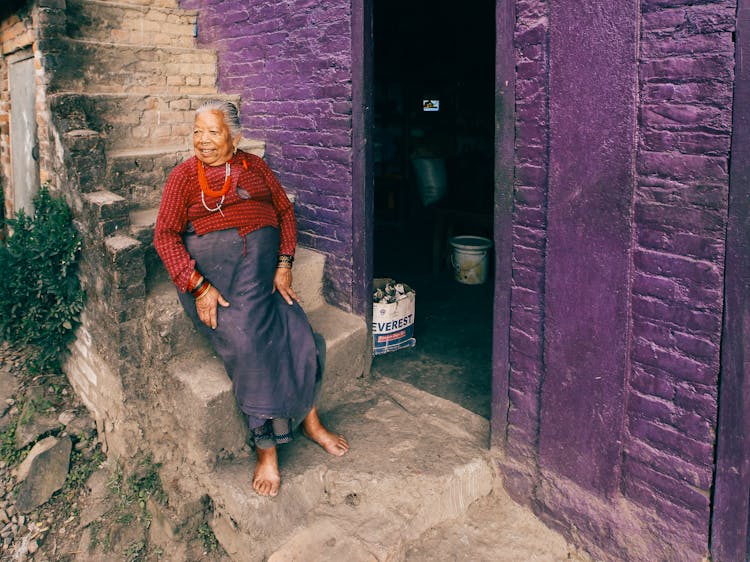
x: 669, y: 465
x: 678, y: 216
x: 657, y: 383
x: 686, y: 142
x: 708, y: 67
x: 701, y: 401
x: 530, y: 237
x: 526, y: 343
x: 674, y: 362
x: 529, y: 279
x: 676, y: 266
x: 668, y: 438
x: 678, y: 492
x: 683, y: 166
x: 672, y: 513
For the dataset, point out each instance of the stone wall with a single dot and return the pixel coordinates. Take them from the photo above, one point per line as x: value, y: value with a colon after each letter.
x: 653, y: 494
x: 291, y: 63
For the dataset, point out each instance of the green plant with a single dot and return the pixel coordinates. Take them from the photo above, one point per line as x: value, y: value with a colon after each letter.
x: 34, y: 406
x: 8, y: 452
x: 136, y: 551
x: 41, y: 298
x: 207, y: 538
x: 145, y: 483
x: 83, y: 466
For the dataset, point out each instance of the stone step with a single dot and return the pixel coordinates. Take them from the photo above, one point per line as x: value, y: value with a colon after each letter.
x: 199, y: 396
x: 131, y: 24
x: 415, y: 461
x: 139, y: 174
x: 89, y: 66
x: 494, y: 528
x: 347, y: 349
x: 171, y: 340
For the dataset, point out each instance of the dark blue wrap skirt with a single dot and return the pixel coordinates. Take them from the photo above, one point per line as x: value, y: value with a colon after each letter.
x: 267, y: 345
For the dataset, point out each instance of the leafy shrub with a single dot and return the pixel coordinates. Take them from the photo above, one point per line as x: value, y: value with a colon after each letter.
x: 41, y: 297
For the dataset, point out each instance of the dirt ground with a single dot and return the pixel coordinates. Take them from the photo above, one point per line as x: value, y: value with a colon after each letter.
x: 102, y: 513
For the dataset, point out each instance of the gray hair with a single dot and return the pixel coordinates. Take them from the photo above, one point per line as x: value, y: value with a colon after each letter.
x: 228, y: 110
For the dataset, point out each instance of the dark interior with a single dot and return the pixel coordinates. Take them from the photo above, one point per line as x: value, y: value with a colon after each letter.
x: 434, y: 68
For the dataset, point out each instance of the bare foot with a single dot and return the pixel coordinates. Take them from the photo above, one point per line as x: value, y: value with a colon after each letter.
x: 266, y: 480
x: 314, y: 429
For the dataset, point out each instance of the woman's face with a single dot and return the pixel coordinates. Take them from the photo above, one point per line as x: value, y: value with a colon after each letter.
x: 211, y: 138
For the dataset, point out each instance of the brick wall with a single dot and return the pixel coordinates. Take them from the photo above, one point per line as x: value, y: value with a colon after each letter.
x: 529, y: 242
x: 686, y: 81
x: 291, y: 63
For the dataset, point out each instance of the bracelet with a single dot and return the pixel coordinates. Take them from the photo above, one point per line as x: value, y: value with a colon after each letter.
x: 198, y: 285
x: 202, y: 293
x: 284, y: 266
x: 285, y: 260
x: 195, y: 280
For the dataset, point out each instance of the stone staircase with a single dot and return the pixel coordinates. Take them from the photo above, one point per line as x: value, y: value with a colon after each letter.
x: 126, y: 82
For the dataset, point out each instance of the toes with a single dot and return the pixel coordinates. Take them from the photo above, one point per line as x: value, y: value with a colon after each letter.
x: 266, y: 488
x: 340, y: 446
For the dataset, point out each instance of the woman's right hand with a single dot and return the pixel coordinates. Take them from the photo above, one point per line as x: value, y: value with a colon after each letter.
x: 207, y: 306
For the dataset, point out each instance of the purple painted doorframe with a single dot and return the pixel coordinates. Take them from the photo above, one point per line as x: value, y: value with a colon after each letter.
x: 729, y: 522
x: 505, y: 84
x: 593, y: 71
x: 362, y: 174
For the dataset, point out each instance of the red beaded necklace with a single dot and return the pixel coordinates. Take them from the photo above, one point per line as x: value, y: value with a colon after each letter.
x: 203, y: 181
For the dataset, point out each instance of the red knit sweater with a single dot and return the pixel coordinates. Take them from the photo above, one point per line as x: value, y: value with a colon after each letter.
x: 181, y: 204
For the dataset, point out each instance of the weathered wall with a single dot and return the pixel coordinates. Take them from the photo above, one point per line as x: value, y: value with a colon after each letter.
x: 617, y: 284
x: 18, y: 32
x: 291, y: 63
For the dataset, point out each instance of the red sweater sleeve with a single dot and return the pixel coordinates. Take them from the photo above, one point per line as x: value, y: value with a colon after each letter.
x: 170, y: 225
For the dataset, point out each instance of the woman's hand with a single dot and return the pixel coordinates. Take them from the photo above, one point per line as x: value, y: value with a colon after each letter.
x: 282, y: 282
x: 208, y: 305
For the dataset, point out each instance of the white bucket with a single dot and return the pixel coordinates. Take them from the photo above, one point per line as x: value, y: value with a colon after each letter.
x: 469, y: 258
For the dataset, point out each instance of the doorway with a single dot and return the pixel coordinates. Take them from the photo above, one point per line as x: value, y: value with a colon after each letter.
x: 434, y: 151
x: 24, y: 150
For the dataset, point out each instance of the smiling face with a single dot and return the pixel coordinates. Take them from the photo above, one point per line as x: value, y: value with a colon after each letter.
x: 212, y: 140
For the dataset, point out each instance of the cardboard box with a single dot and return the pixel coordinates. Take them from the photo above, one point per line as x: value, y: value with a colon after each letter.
x: 393, y: 323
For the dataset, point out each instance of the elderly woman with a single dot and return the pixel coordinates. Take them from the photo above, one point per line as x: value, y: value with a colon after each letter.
x: 226, y: 233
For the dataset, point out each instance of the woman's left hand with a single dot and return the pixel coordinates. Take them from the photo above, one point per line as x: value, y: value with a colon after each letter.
x: 282, y: 282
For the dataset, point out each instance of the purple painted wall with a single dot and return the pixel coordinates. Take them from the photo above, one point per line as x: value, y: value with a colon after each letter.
x: 614, y: 120
x: 729, y: 530
x: 623, y: 122
x: 291, y: 61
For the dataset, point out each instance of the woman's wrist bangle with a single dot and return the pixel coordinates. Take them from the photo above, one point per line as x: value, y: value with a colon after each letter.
x: 195, y: 281
x: 284, y: 266
x: 198, y: 285
x: 202, y: 291
x: 285, y: 260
